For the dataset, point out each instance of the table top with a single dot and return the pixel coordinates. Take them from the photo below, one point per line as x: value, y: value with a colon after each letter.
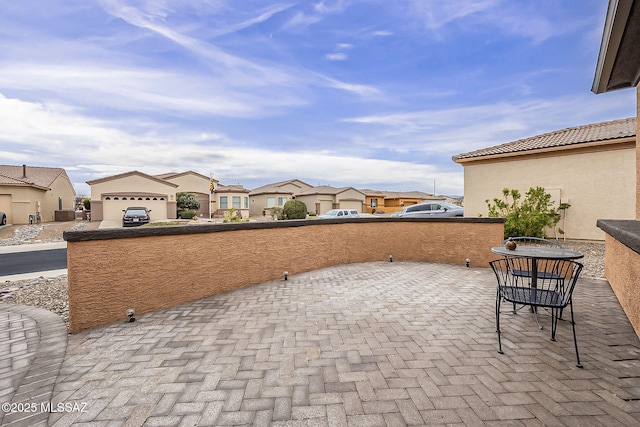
x: 543, y: 252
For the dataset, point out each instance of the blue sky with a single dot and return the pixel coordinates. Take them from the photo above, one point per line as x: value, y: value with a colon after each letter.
x: 364, y: 93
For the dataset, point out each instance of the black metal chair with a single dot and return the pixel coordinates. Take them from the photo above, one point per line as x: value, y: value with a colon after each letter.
x: 532, y: 241
x: 552, y: 289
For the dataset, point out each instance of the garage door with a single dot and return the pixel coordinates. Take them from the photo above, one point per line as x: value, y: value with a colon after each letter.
x: 112, y: 206
x: 5, y: 206
x: 351, y: 204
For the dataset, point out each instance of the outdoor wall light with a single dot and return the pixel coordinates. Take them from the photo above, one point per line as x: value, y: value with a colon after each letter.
x: 467, y: 262
x: 130, y: 313
x: 286, y: 275
x: 390, y: 258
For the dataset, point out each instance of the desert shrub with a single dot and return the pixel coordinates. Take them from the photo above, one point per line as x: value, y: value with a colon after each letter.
x: 526, y: 217
x: 186, y: 202
x: 233, y: 215
x: 87, y: 204
x: 295, y: 209
x: 277, y: 213
x: 187, y: 214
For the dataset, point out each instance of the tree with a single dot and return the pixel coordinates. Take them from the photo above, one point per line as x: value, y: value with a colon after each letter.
x: 527, y: 217
x: 295, y: 209
x: 186, y: 202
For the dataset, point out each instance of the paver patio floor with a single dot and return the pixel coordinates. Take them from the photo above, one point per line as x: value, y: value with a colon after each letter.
x: 374, y: 344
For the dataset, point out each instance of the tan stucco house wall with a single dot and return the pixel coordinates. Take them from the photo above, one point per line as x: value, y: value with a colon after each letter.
x: 263, y: 198
x: 323, y: 198
x: 598, y: 180
x: 110, y: 195
x: 194, y: 183
x: 27, y: 190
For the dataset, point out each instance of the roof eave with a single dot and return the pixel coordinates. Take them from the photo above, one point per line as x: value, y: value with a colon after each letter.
x: 618, y: 13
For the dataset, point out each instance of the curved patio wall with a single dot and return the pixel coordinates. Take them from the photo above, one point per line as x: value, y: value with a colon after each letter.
x: 152, y: 268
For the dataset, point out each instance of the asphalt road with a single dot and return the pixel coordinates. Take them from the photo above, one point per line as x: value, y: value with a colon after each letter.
x: 27, y: 261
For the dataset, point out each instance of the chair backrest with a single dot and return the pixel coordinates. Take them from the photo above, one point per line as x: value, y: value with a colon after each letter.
x: 534, y: 241
x: 555, y: 280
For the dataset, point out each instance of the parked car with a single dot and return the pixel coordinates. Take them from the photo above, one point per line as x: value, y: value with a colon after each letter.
x: 340, y: 213
x: 135, y: 216
x: 432, y: 209
x: 3, y: 218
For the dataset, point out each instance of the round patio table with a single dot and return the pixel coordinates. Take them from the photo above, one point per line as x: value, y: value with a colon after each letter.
x: 535, y: 253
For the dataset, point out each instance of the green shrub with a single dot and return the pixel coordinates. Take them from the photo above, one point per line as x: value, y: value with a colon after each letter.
x: 528, y: 217
x: 277, y: 213
x: 187, y: 214
x: 295, y: 209
x: 87, y: 204
x: 187, y: 204
x: 233, y: 215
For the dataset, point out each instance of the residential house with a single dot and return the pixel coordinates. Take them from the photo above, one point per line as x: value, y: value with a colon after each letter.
x: 274, y: 195
x: 111, y: 195
x: 199, y: 185
x: 231, y: 196
x: 323, y: 198
x: 394, y: 201
x: 618, y: 67
x: 28, y: 191
x: 590, y: 167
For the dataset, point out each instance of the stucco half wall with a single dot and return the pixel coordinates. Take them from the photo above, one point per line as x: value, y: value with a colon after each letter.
x: 152, y: 268
x: 622, y: 265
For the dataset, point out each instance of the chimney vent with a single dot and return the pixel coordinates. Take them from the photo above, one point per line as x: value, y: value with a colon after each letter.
x: 24, y: 171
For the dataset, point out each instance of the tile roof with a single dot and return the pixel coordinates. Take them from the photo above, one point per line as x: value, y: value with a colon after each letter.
x: 611, y: 130
x: 231, y: 189
x: 35, y: 175
x: 327, y: 189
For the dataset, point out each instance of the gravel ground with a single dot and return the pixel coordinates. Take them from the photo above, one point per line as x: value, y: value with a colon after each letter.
x: 51, y: 293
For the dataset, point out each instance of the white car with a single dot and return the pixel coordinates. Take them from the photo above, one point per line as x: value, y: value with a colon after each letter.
x: 340, y: 213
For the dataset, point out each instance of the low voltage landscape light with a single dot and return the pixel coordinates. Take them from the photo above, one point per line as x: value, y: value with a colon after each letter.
x: 130, y: 313
x: 286, y: 275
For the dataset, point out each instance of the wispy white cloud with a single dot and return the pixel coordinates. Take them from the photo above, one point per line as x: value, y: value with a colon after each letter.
x: 336, y: 56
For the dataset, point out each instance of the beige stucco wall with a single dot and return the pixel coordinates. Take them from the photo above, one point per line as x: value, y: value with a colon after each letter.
x: 105, y: 279
x: 112, y: 209
x: 598, y: 183
x: 190, y: 183
x: 63, y: 188
x: 21, y: 201
x: 622, y: 269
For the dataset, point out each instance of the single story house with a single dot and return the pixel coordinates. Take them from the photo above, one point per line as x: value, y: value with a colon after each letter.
x: 274, y: 195
x: 591, y: 167
x: 394, y: 201
x: 199, y: 185
x: 112, y: 194
x: 231, y: 197
x: 323, y: 198
x: 27, y: 191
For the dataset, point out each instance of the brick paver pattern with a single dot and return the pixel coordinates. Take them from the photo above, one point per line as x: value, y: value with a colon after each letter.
x: 375, y: 344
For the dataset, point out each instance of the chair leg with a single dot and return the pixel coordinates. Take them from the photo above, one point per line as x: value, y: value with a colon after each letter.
x: 554, y: 323
x: 575, y: 341
x: 498, y: 298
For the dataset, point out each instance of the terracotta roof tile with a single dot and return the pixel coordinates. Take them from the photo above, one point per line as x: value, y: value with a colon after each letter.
x: 604, y: 131
x: 35, y: 175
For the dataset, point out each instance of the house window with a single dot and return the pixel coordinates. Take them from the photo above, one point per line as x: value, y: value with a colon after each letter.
x: 236, y: 202
x: 374, y: 203
x: 271, y: 202
x: 246, y: 203
x: 281, y: 201
x: 224, y: 204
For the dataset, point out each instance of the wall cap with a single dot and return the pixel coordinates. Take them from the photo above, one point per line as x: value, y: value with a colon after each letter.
x: 626, y: 232
x: 174, y: 230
